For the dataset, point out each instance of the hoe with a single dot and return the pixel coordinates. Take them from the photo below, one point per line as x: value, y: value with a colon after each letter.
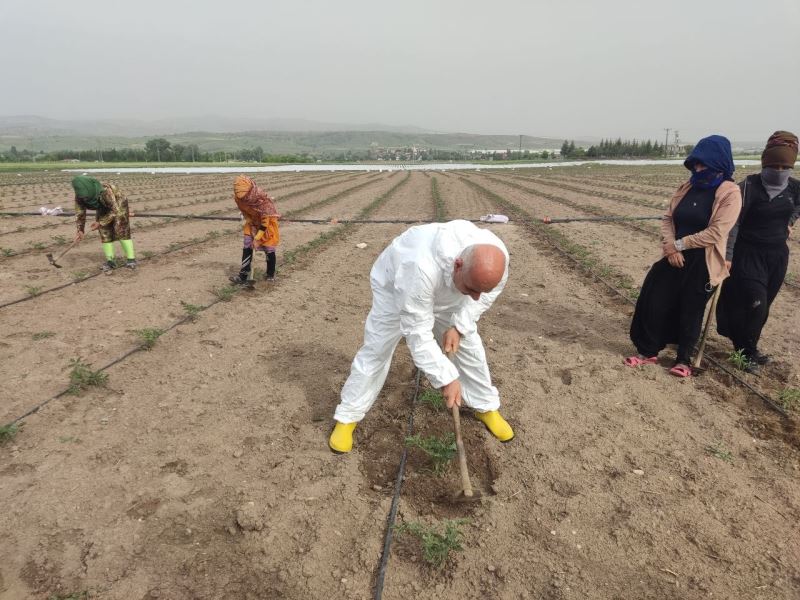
x: 54, y: 261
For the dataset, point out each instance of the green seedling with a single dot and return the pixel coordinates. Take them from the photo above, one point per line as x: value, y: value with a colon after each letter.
x: 41, y: 335
x: 440, y: 450
x: 720, y: 452
x: 33, y: 290
x: 73, y: 596
x: 66, y: 439
x: 59, y: 240
x: 147, y: 253
x: 790, y: 398
x: 7, y: 251
x: 436, y: 546
x: 225, y: 293
x: 432, y: 398
x: 7, y: 432
x: 192, y: 310
x: 38, y: 245
x: 149, y: 335
x: 81, y: 377
x: 740, y: 360
x: 78, y: 275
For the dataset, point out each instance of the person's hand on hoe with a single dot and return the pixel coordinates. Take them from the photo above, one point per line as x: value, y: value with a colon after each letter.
x: 95, y: 226
x: 79, y: 235
x: 452, y: 391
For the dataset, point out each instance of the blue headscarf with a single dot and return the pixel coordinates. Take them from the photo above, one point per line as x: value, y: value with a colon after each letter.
x: 715, y: 153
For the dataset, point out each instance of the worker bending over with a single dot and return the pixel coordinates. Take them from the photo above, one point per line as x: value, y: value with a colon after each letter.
x: 433, y: 282
x: 260, y: 227
x: 112, y: 218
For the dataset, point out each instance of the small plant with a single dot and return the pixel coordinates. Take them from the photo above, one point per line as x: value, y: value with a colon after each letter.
x: 78, y: 275
x: 73, y: 596
x: 720, y: 452
x: 66, y: 439
x: 59, y: 240
x: 81, y: 377
x: 432, y: 398
x: 192, y: 310
x: 33, y: 290
x: 790, y: 277
x: 7, y: 251
x: 790, y: 398
x: 7, y: 432
x: 436, y: 546
x: 41, y: 335
x: 441, y: 450
x: 225, y: 293
x: 740, y: 360
x: 149, y: 335
x: 146, y: 253
x: 38, y: 245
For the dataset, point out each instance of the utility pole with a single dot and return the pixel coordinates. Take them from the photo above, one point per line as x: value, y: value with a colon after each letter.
x: 677, y: 143
x: 666, y: 142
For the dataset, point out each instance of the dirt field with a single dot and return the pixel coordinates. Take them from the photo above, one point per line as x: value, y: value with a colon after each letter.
x: 201, y: 469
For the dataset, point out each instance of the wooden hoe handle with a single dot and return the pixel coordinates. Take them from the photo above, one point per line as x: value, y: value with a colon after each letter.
x: 462, y: 454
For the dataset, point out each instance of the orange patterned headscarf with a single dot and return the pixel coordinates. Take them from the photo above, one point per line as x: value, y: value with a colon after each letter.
x: 241, y: 186
x: 251, y: 199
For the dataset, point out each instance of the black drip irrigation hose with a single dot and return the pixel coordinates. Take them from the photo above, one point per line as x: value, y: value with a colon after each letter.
x: 119, y: 359
x: 546, y: 220
x: 398, y: 484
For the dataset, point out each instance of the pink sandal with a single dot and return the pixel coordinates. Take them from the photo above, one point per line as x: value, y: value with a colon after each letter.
x: 638, y: 361
x: 681, y: 370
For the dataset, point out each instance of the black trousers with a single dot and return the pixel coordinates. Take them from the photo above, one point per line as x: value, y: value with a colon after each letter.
x: 670, y: 306
x: 247, y: 263
x: 756, y: 278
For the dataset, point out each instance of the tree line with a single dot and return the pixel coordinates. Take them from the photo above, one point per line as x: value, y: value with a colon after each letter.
x: 620, y: 148
x: 155, y: 150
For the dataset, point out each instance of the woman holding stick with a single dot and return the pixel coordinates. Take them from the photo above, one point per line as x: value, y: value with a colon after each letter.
x: 694, y: 232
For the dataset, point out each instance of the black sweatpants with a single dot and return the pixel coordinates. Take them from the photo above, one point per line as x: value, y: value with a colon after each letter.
x: 756, y: 278
x: 670, y: 306
x: 247, y: 263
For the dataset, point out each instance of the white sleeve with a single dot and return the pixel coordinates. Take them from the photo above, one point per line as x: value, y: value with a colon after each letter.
x: 414, y: 293
x: 466, y: 320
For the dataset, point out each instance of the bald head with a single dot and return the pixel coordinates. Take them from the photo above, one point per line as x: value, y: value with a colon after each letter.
x: 478, y: 269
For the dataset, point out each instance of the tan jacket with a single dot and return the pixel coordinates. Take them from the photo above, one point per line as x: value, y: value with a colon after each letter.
x: 724, y: 213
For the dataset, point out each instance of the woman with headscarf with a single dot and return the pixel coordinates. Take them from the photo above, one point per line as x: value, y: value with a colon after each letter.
x: 112, y: 218
x: 758, y: 249
x: 694, y: 235
x: 260, y: 227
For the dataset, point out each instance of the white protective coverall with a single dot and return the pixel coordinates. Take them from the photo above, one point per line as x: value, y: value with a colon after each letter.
x: 413, y: 296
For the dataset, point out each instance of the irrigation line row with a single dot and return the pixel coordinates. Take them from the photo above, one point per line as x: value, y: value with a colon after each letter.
x: 327, y: 221
x: 398, y: 484
x: 597, y: 211
x: 764, y: 397
x: 373, y: 206
x: 206, y: 238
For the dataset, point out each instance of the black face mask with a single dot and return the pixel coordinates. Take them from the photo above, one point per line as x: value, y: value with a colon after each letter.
x: 775, y: 178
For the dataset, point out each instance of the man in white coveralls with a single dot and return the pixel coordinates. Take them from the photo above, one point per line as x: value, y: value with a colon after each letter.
x: 433, y: 282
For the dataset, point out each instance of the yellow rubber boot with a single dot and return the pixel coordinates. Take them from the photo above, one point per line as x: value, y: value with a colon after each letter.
x: 496, y: 425
x: 341, y: 439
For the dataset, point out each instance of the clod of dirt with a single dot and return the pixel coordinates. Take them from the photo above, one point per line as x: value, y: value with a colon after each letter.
x: 249, y: 518
x: 361, y: 246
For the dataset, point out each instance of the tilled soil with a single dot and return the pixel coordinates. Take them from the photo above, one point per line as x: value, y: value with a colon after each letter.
x: 202, y: 470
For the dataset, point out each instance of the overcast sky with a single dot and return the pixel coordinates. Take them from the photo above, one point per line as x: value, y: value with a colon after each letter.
x: 560, y: 68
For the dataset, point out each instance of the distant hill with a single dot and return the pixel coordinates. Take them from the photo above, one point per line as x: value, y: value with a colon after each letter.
x: 275, y: 136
